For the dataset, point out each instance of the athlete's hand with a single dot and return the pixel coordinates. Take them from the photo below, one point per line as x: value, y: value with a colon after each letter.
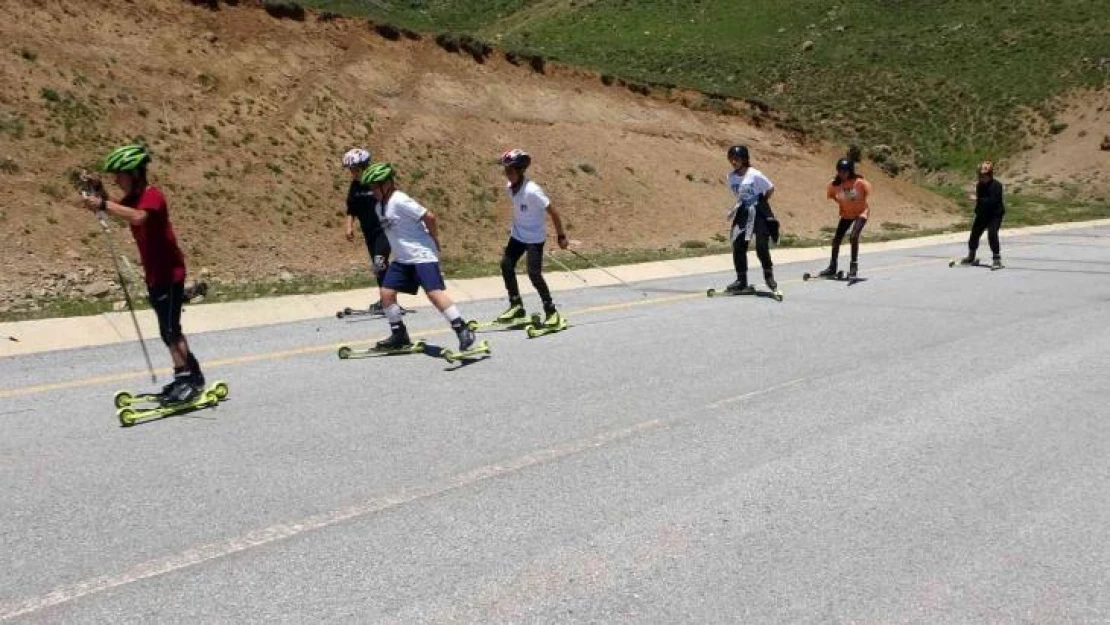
x: 89, y: 201
x: 350, y: 234
x: 563, y: 242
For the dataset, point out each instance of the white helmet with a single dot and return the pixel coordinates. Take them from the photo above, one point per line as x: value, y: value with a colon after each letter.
x: 356, y: 157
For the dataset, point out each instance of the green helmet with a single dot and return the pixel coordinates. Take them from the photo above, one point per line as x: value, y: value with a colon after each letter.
x: 126, y: 158
x: 378, y: 173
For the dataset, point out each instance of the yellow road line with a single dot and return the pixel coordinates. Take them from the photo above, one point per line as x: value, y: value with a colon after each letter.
x: 317, y: 349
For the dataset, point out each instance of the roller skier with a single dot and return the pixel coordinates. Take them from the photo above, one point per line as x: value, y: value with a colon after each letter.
x: 989, y: 211
x: 751, y: 218
x: 527, y: 237
x: 144, y: 208
x: 361, y: 207
x: 850, y: 192
x: 413, y: 236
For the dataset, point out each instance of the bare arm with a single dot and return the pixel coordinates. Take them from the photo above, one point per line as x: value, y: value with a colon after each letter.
x: 558, y: 221
x: 432, y: 224
x: 768, y: 194
x: 350, y: 229
x: 132, y: 216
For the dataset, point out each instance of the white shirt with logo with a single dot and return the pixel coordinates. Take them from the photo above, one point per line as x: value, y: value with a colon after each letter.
x: 747, y: 188
x: 529, y: 213
x: 409, y: 239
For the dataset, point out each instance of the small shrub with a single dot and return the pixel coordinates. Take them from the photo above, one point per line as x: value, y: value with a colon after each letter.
x: 284, y: 9
x: 8, y: 165
x: 693, y: 245
x: 607, y: 80
x: 1057, y: 127
x: 411, y: 34
x: 51, y: 95
x: 388, y: 31
x: 448, y: 41
x: 28, y: 55
x: 587, y: 168
x: 327, y: 16
x: 211, y: 130
x: 538, y: 63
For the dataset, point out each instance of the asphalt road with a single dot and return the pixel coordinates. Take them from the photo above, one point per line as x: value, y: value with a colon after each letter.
x: 928, y: 446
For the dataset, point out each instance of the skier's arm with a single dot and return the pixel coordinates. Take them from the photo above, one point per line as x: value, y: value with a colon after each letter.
x: 432, y: 224
x: 558, y: 221
x: 132, y: 216
x: 350, y: 232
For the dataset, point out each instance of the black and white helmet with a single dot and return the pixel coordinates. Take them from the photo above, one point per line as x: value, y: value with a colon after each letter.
x: 356, y: 157
x: 739, y: 152
x: 517, y: 159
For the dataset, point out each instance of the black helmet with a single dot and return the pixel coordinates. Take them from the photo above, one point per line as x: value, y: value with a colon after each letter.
x: 739, y: 152
x: 847, y: 165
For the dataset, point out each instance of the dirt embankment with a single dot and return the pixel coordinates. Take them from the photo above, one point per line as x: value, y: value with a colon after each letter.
x: 248, y: 115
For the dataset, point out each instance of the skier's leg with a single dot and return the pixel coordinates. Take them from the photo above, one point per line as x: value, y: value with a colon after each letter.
x: 513, y: 251
x: 740, y: 255
x: 187, y: 378
x: 431, y: 279
x: 977, y: 228
x: 535, y: 274
x: 857, y: 231
x: 838, y: 237
x: 763, y: 251
x: 993, y: 226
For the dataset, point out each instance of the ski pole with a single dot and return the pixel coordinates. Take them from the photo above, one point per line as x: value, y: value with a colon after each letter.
x: 567, y: 269
x: 606, y: 271
x: 100, y: 217
x: 11, y: 338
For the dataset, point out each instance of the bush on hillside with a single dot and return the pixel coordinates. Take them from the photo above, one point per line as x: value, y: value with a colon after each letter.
x: 284, y: 9
x: 388, y: 31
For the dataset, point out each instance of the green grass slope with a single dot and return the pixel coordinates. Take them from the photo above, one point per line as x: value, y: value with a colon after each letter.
x: 943, y: 83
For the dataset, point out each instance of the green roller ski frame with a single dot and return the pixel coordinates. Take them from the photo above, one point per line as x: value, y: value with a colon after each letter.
x: 129, y: 408
x: 536, y: 330
x: 351, y: 353
x: 751, y: 290
x: 481, y: 348
x: 502, y: 326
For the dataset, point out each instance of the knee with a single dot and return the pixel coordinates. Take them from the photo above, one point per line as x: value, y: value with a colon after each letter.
x: 507, y: 264
x: 171, y: 335
x: 535, y: 275
x: 855, y: 238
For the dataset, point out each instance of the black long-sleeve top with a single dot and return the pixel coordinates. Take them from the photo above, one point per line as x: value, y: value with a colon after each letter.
x: 988, y: 199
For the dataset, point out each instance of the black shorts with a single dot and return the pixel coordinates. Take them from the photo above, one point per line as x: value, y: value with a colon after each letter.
x: 378, y: 246
x: 166, y: 300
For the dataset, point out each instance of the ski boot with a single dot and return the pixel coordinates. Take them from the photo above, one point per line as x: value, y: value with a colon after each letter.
x: 514, y: 313
x: 553, y: 323
x: 996, y: 263
x: 180, y: 391
x: 829, y: 272
x: 853, y: 270
x: 468, y: 345
x: 398, y: 340
x: 772, y: 285
x: 739, y: 287
x: 968, y: 260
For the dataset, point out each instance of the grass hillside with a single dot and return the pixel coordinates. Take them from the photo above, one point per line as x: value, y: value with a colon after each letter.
x: 942, y: 83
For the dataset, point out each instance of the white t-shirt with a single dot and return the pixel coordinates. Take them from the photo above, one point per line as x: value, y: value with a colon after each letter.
x: 409, y: 239
x: 749, y: 187
x: 529, y: 213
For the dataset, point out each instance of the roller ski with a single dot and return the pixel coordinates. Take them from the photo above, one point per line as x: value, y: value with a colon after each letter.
x: 739, y: 288
x: 971, y: 261
x: 515, y: 318
x: 469, y: 346
x: 178, y: 397
x: 554, y: 323
x: 374, y: 311
x: 396, y: 345
x: 837, y: 276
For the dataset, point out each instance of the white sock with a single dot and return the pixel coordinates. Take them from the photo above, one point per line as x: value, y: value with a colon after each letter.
x: 451, y: 313
x: 393, y: 313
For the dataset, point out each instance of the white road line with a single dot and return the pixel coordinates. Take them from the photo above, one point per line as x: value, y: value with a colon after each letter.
x: 733, y: 400
x: 275, y: 533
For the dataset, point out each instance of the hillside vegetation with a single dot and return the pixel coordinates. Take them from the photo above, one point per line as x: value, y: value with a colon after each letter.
x: 930, y: 83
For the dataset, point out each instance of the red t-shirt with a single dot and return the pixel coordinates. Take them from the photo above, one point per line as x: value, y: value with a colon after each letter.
x: 162, y: 259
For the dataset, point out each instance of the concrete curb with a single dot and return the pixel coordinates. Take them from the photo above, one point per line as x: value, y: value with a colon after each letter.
x: 45, y: 335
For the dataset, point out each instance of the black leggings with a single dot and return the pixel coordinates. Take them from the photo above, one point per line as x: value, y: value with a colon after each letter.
x: 856, y: 225
x: 513, y: 251
x: 992, y: 224
x: 740, y: 255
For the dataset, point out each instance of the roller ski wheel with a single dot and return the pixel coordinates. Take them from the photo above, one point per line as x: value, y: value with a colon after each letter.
x: 481, y: 348
x: 962, y: 262
x: 350, y: 353
x: 212, y: 396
